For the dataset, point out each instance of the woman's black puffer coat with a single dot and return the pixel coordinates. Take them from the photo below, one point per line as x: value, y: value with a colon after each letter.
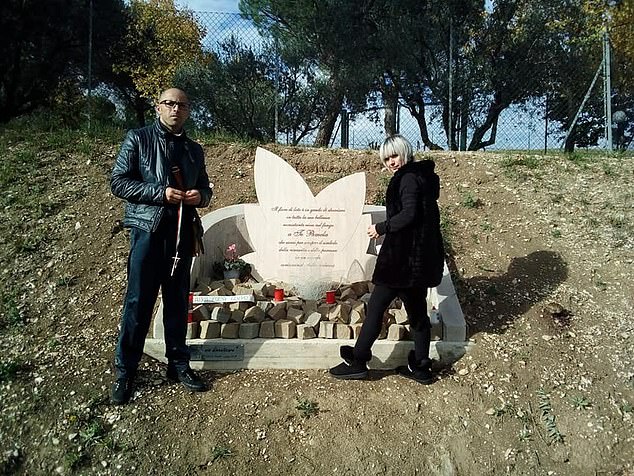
x: 412, y: 254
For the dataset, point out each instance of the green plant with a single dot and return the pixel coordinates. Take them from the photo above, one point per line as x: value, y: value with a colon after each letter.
x: 548, y: 418
x: 67, y: 280
x: 486, y: 226
x: 93, y: 433
x: 470, y: 201
x: 379, y: 198
x: 75, y: 458
x: 557, y: 198
x: 580, y: 402
x: 525, y: 435
x: 626, y: 407
x: 617, y: 220
x: 578, y: 158
x: 219, y: 452
x: 446, y: 228
x: 232, y: 259
x: 527, y: 161
x: 9, y: 370
x: 602, y: 285
x: 10, y: 314
x: 307, y: 408
x: 555, y: 233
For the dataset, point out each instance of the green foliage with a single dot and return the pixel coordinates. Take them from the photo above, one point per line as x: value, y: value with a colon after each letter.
x: 548, y: 419
x: 446, y: 228
x: 580, y: 402
x: 91, y: 431
x: 307, y: 408
x: 10, y: 314
x: 220, y: 452
x: 525, y: 434
x: 527, y: 161
x: 160, y: 39
x: 234, y: 91
x: 46, y: 45
x: 9, y: 370
x: 470, y: 201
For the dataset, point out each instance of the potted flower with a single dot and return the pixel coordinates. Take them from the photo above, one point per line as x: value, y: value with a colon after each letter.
x: 233, y: 266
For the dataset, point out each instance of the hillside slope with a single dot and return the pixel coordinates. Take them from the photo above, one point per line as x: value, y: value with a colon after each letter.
x: 541, y: 251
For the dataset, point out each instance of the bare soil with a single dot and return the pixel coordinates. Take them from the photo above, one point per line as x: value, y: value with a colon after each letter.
x: 541, y: 252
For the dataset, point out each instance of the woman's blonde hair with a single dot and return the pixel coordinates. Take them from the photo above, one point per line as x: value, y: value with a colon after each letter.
x: 396, y: 145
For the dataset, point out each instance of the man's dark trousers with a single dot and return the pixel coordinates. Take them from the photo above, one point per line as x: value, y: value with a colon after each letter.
x: 149, y: 267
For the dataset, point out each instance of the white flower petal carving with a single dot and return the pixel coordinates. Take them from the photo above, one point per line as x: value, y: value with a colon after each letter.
x: 296, y: 234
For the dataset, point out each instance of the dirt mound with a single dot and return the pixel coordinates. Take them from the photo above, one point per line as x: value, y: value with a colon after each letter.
x: 541, y: 251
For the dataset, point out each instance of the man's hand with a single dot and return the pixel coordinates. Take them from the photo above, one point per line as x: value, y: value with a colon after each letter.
x: 174, y: 196
x: 192, y: 197
x: 372, y: 233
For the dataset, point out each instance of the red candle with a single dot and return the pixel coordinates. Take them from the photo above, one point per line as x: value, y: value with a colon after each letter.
x: 190, y: 308
x: 279, y: 294
x: 330, y: 297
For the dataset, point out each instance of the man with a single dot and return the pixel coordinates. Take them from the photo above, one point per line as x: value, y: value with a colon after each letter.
x: 161, y: 174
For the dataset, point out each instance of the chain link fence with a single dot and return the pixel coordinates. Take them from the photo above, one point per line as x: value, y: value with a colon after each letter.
x: 532, y: 124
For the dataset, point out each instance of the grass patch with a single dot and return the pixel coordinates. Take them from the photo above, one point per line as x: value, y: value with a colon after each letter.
x: 526, y: 161
x: 470, y: 201
x: 578, y: 158
x: 10, y: 314
x: 446, y: 228
x: 486, y: 226
x: 9, y: 370
x: 220, y: 452
x: 307, y: 408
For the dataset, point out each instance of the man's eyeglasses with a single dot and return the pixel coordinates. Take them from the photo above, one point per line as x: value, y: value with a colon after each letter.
x: 173, y: 104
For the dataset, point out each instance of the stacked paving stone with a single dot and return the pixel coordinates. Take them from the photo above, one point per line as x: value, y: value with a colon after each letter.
x: 293, y: 317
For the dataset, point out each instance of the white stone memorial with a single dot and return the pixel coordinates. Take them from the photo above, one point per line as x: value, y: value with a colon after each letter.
x: 309, y: 241
x: 314, y: 243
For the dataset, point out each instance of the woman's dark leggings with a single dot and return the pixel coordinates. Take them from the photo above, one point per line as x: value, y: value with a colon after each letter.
x: 415, y: 303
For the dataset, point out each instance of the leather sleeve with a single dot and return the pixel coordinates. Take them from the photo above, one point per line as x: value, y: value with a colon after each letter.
x: 127, y: 181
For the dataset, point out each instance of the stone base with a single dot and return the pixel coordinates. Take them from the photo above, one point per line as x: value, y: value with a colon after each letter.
x: 233, y: 354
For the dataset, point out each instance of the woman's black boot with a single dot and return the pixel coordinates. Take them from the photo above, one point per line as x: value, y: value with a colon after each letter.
x: 419, y: 371
x: 350, y: 368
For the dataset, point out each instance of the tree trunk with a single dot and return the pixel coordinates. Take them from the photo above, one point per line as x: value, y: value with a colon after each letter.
x: 324, y: 134
x: 416, y: 107
x: 140, y: 107
x: 390, y: 99
x: 464, y: 121
x: 491, y: 123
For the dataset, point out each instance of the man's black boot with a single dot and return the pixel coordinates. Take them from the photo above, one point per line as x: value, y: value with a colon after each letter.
x: 350, y: 368
x: 419, y: 371
x: 187, y: 378
x: 121, y: 391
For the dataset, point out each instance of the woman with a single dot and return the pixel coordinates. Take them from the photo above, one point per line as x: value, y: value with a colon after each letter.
x: 410, y: 260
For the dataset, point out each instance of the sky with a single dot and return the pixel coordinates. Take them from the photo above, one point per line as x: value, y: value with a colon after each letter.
x: 224, y: 6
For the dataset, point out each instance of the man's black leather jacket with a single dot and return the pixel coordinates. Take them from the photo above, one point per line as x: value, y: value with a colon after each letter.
x: 140, y: 175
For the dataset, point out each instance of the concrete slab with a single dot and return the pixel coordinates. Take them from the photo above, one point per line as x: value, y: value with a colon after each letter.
x: 303, y: 354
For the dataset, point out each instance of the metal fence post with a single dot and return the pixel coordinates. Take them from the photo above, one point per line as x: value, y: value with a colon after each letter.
x: 89, y: 79
x: 607, y: 87
x: 345, y: 129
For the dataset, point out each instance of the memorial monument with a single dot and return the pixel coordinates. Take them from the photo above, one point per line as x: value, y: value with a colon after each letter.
x: 309, y: 245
